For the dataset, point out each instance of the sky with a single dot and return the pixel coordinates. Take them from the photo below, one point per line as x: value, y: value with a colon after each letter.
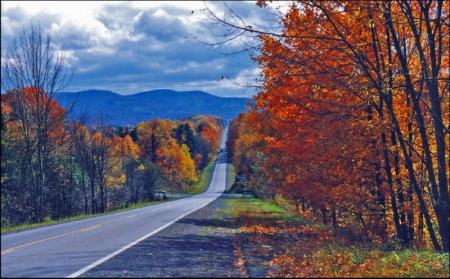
x: 130, y: 47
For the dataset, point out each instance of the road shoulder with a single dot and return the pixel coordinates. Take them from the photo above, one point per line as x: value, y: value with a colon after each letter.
x: 200, y: 245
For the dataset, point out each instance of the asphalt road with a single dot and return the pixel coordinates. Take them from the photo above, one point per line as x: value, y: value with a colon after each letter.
x: 72, y: 249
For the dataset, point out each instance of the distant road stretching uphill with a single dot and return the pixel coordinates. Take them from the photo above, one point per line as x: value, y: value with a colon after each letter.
x: 71, y: 249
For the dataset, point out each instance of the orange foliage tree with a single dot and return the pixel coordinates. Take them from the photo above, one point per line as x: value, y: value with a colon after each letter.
x: 36, y: 133
x: 355, y: 96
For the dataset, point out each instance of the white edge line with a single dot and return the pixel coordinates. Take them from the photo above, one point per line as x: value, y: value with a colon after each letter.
x: 104, y: 259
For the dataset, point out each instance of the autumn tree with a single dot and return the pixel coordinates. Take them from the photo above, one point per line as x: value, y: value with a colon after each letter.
x: 123, y: 168
x: 208, y: 131
x: 81, y: 154
x: 185, y: 135
x: 31, y: 75
x: 356, y: 93
x: 161, y: 148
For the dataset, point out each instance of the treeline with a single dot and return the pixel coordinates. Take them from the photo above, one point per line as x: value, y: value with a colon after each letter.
x: 53, y: 167
x: 352, y: 123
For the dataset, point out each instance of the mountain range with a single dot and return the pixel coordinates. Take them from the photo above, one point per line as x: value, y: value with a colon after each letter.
x: 126, y: 110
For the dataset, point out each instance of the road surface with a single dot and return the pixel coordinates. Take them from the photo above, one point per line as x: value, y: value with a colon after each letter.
x: 72, y: 249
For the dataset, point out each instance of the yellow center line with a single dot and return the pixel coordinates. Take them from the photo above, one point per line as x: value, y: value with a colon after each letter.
x: 53, y: 237
x: 131, y: 216
x: 92, y: 228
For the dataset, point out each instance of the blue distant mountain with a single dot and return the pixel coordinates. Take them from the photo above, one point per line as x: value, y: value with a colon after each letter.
x: 116, y: 109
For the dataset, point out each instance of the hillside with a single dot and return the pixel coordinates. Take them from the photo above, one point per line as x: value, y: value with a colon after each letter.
x: 118, y: 109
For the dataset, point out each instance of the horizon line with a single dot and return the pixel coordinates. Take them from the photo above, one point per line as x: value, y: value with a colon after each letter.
x: 149, y: 91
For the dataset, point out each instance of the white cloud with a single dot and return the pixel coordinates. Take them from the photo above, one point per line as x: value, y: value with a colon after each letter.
x: 245, y: 78
x: 138, y: 46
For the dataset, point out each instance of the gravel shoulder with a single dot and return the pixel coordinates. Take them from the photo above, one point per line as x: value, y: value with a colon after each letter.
x: 200, y: 245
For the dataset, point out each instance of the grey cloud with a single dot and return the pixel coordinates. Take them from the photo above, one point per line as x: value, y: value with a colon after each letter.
x: 72, y: 37
x: 151, y: 49
x: 163, y: 28
x: 116, y: 16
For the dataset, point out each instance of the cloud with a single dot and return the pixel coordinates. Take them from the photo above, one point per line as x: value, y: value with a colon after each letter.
x: 140, y: 46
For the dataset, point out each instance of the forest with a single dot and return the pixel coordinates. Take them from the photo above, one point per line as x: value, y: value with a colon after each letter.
x: 351, y: 124
x: 53, y: 167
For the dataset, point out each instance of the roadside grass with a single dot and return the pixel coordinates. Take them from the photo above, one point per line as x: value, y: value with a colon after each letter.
x: 288, y: 245
x: 205, y: 178
x: 261, y: 210
x: 231, y: 176
x: 49, y: 222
